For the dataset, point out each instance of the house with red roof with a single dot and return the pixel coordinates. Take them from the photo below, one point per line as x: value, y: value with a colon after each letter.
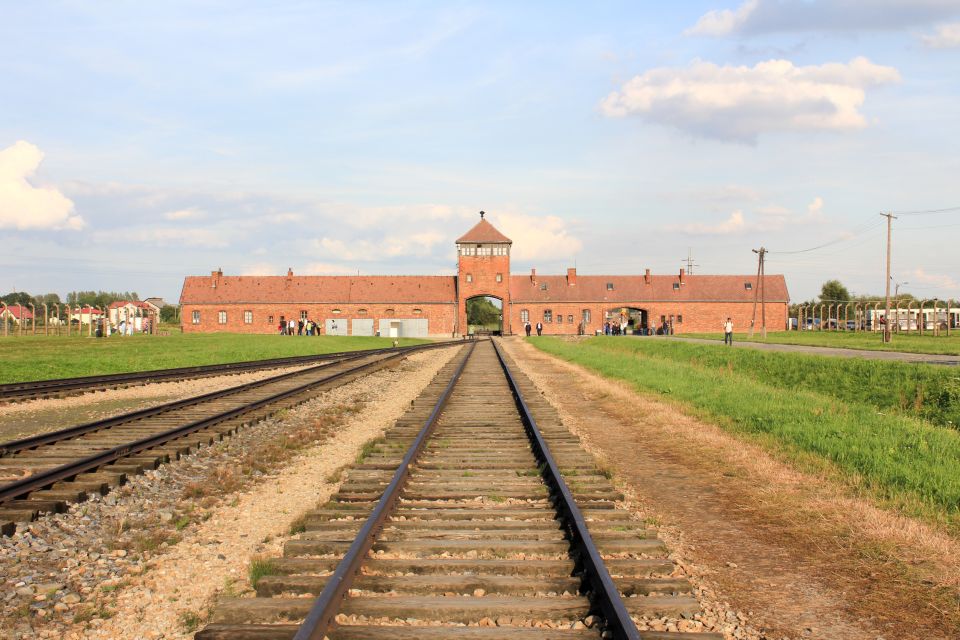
x: 17, y: 313
x: 568, y: 304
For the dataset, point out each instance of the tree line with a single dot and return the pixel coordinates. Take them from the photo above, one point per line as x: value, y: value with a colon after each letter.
x: 81, y: 298
x: 101, y: 299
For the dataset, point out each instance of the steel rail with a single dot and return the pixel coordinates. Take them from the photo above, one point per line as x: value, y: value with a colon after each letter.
x: 321, y: 616
x: 15, y: 446
x: 15, y: 390
x: 605, y: 593
x: 31, y: 442
x: 22, y: 488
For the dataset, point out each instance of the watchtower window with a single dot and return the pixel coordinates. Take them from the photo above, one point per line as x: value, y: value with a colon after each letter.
x: 609, y: 286
x: 469, y: 277
x: 499, y: 277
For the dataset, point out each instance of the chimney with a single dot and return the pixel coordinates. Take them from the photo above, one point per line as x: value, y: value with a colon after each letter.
x: 215, y: 277
x: 533, y: 276
x: 572, y: 276
x: 682, y: 273
x: 289, y: 272
x: 646, y: 277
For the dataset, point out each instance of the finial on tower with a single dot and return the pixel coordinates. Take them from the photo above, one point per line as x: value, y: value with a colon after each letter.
x: 482, y: 213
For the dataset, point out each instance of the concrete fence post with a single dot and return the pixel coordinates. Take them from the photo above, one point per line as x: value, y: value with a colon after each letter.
x: 33, y: 319
x: 920, y: 319
x: 4, y: 312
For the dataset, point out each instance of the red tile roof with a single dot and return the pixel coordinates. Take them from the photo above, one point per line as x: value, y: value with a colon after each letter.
x: 483, y: 231
x: 341, y: 289
x: 634, y: 289
x: 18, y: 312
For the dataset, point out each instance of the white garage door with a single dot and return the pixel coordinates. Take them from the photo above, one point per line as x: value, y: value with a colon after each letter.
x: 362, y: 327
x: 335, y: 327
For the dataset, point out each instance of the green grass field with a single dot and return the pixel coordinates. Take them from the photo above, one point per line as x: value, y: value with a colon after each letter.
x: 39, y: 358
x: 910, y: 343
x: 885, y: 428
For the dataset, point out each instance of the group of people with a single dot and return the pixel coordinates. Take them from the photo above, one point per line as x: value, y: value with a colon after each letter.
x: 298, y: 328
x: 104, y: 328
x: 527, y: 327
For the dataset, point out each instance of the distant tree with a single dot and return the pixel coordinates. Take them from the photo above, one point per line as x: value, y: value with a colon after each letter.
x: 99, y: 298
x: 168, y: 313
x: 17, y: 297
x: 834, y: 291
x: 481, y: 311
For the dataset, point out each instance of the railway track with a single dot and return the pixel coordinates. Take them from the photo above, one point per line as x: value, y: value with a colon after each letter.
x: 44, y: 472
x: 63, y: 387
x: 478, y: 516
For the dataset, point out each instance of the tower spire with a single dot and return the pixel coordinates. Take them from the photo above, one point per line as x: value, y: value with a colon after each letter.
x: 482, y: 213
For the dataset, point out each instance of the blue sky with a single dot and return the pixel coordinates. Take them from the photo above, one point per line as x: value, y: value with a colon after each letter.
x: 143, y: 142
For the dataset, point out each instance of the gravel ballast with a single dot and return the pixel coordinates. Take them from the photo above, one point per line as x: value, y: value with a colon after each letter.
x: 147, y: 560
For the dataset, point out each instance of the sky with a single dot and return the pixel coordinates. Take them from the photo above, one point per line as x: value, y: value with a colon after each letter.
x: 142, y: 142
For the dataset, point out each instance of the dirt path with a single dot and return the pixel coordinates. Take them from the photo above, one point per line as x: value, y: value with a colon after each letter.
x: 799, y: 556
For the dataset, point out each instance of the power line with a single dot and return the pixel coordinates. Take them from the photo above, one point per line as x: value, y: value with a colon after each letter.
x: 925, y: 212
x: 853, y: 234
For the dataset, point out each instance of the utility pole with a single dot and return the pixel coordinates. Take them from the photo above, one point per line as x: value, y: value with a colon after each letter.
x: 887, y: 335
x: 759, y: 291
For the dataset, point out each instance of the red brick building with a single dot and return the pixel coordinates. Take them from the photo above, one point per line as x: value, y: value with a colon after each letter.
x: 436, y: 305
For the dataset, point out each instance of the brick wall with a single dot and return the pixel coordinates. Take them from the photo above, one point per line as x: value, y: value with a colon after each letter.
x: 440, y: 317
x: 696, y: 316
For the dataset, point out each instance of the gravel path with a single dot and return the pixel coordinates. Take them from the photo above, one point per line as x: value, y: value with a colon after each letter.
x: 23, y: 419
x: 147, y: 560
x: 898, y: 356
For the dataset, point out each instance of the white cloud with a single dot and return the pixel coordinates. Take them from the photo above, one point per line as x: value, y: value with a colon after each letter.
x: 739, y: 103
x: 767, y: 218
x: 413, y: 244
x: 326, y: 269
x: 537, y: 237
x: 722, y: 22
x: 770, y: 16
x: 734, y: 224
x: 947, y: 36
x: 368, y: 217
x: 939, y: 280
x: 260, y: 269
x: 166, y: 237
x: 184, y: 214
x: 25, y: 206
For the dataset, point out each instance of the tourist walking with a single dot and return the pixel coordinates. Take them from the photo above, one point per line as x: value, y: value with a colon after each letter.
x: 728, y: 332
x: 526, y: 327
x: 539, y: 328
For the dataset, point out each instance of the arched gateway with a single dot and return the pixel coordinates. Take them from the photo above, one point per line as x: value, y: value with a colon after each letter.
x: 418, y: 306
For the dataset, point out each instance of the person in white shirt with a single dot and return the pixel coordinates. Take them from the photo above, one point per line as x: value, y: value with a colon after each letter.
x: 728, y: 332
